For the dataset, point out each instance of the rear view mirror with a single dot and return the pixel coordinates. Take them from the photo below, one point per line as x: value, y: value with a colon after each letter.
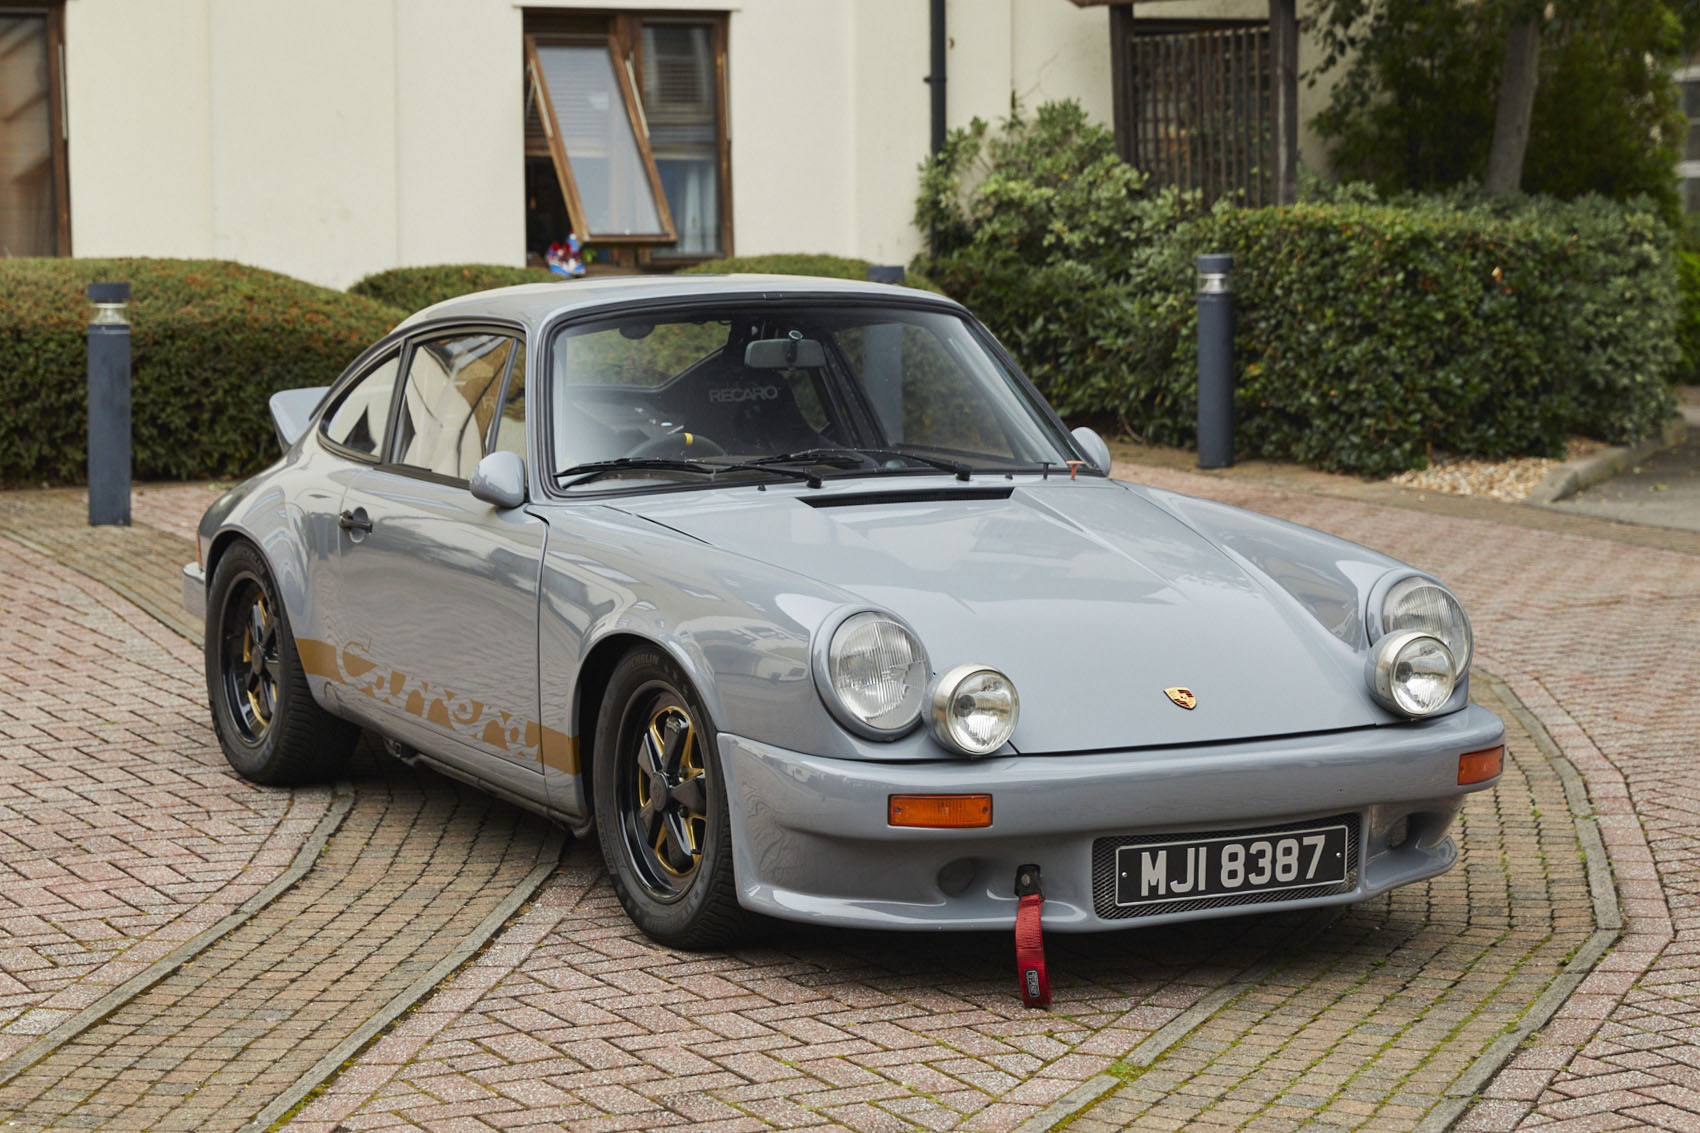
x: 784, y: 353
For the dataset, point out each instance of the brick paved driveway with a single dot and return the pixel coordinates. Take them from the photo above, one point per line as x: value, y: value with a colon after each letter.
x: 570, y: 1018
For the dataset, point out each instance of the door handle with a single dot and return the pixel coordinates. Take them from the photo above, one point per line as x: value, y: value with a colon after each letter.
x: 354, y: 521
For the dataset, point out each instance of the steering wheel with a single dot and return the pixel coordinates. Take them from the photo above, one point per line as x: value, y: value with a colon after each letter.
x: 679, y: 444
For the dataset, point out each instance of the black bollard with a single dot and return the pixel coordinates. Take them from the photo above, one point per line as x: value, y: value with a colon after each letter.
x: 109, y: 406
x: 1215, y: 361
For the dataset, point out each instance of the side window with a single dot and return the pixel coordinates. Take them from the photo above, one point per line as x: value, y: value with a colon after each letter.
x: 510, y: 426
x: 449, y: 401
x: 361, y: 416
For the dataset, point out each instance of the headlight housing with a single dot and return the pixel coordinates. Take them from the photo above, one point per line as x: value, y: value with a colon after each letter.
x: 974, y: 709
x: 1423, y: 605
x: 872, y: 674
x: 1412, y: 673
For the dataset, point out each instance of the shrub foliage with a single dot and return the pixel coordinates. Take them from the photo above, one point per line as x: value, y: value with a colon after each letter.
x: 210, y: 342
x: 1367, y: 334
x: 412, y: 289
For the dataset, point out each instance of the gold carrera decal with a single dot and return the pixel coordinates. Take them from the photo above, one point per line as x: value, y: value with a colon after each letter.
x: 436, y: 704
x: 1182, y: 696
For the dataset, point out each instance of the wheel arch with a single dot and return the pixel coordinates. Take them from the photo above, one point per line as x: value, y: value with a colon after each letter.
x: 591, y: 688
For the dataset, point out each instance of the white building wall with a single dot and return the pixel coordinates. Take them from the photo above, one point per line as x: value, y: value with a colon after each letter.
x: 137, y: 86
x: 332, y: 138
x: 304, y: 136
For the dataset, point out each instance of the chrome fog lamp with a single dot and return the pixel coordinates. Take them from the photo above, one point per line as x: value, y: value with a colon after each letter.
x: 875, y: 675
x: 1423, y: 605
x: 1412, y: 673
x: 975, y: 709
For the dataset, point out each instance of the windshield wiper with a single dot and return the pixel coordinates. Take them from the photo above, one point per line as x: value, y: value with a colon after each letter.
x: 868, y: 456
x: 596, y: 468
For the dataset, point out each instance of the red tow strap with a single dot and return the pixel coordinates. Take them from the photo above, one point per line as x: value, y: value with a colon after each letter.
x: 1030, y: 939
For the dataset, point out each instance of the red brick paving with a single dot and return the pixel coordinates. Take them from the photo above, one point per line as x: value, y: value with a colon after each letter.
x: 1594, y: 635
x: 122, y: 832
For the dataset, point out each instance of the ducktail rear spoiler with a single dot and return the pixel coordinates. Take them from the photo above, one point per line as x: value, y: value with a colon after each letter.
x: 292, y: 412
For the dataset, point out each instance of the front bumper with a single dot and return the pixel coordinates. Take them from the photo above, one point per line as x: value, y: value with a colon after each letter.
x: 811, y: 840
x: 195, y: 591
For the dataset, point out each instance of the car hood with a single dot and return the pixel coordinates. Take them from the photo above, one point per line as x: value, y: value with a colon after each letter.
x: 1091, y: 596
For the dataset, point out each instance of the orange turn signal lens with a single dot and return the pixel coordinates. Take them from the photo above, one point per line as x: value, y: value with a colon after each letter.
x: 951, y: 812
x: 1480, y: 766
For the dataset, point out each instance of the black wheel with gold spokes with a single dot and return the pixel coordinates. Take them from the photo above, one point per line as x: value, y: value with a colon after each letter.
x: 252, y: 664
x: 271, y: 729
x: 661, y: 806
x: 664, y: 798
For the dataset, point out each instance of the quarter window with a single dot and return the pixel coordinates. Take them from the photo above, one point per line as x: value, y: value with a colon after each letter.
x: 360, y: 418
x: 449, y: 402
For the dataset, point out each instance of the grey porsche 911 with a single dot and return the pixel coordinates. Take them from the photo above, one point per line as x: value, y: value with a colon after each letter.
x: 797, y: 593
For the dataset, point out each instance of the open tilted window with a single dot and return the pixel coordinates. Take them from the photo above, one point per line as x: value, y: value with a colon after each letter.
x: 598, y: 140
x: 625, y: 132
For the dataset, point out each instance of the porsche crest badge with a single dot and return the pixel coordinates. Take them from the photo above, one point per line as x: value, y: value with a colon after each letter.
x: 1182, y: 697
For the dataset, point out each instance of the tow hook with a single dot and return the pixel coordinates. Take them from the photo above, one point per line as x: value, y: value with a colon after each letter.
x: 1030, y: 939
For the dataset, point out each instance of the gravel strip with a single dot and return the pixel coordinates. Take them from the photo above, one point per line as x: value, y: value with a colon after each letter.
x: 1509, y: 481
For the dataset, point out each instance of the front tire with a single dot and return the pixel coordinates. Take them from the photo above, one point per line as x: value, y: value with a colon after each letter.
x: 661, y: 811
x: 271, y: 729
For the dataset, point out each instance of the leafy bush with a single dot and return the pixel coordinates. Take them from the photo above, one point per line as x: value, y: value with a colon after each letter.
x: 210, y: 342
x: 1366, y: 334
x: 413, y: 289
x: 1054, y: 242
x: 800, y: 263
x: 1415, y: 104
x: 1688, y: 321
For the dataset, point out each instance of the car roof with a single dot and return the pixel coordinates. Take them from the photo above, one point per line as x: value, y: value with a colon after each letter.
x: 535, y: 303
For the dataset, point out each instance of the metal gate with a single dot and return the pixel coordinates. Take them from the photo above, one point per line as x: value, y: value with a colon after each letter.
x: 1195, y: 105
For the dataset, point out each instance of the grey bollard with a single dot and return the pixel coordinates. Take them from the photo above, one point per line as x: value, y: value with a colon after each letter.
x: 109, y: 405
x: 1215, y: 361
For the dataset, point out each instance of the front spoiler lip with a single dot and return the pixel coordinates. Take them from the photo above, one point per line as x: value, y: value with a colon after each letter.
x: 195, y: 591
x: 811, y: 841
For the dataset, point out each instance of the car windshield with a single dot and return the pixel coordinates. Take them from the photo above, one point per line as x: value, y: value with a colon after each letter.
x: 748, y: 390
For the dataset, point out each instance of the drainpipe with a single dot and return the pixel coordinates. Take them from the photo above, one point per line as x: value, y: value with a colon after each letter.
x: 936, y: 79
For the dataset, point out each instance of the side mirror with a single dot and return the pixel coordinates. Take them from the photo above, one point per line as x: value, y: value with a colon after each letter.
x: 499, y: 480
x: 1094, y: 447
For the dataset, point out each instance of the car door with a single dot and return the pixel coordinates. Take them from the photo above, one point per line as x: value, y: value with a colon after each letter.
x: 438, y: 588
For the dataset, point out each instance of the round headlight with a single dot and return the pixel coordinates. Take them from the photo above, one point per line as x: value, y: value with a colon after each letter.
x: 975, y: 709
x: 878, y: 674
x: 1412, y: 673
x: 1427, y: 607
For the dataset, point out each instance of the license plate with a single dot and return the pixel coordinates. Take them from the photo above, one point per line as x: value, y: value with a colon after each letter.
x: 1190, y: 868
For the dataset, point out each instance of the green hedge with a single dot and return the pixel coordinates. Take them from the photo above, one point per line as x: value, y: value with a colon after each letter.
x: 210, y: 342
x: 802, y: 263
x: 413, y: 289
x: 1368, y: 335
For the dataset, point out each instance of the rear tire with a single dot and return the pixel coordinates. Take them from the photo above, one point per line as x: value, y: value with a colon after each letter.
x: 271, y: 729
x: 661, y: 812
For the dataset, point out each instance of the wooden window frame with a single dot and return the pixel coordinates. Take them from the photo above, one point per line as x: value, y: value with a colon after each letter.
x: 617, y: 57
x: 631, y: 28
x: 60, y: 125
